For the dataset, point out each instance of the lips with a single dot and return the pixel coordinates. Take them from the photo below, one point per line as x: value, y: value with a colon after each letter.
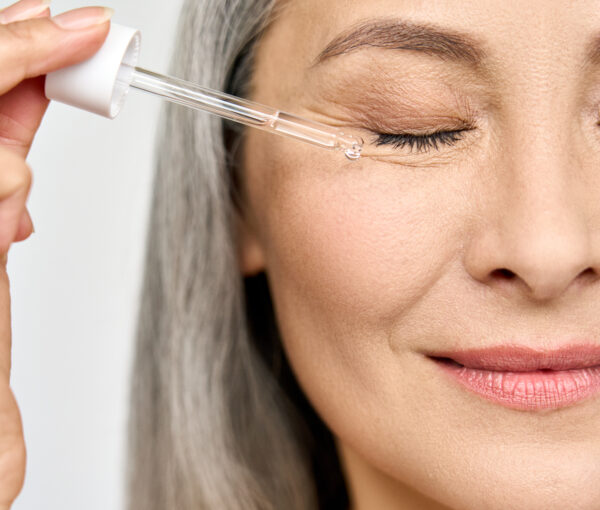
x: 524, y: 378
x: 513, y: 358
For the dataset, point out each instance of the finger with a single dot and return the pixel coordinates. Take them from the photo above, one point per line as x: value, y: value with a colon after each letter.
x: 15, y: 183
x: 25, y: 9
x: 25, y: 228
x: 11, y: 210
x: 13, y: 453
x: 21, y: 112
x: 22, y: 108
x: 38, y: 46
x: 5, y: 324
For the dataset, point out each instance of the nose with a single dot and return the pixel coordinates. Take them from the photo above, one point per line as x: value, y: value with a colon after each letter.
x: 536, y: 236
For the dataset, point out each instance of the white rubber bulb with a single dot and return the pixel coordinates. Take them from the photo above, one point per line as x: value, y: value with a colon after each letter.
x: 99, y: 84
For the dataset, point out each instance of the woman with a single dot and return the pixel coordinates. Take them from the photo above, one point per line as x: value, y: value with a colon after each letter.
x: 416, y: 330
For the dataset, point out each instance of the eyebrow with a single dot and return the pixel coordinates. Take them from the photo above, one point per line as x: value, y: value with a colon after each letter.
x: 405, y: 35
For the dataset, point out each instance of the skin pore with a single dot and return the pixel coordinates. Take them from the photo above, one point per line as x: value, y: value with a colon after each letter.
x: 490, y: 240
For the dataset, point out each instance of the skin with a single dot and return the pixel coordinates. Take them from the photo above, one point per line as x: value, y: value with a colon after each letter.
x: 30, y: 46
x: 373, y: 263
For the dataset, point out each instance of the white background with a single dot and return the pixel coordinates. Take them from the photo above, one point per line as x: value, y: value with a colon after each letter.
x: 75, y: 283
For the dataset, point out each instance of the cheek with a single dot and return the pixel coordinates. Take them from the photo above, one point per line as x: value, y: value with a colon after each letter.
x: 356, y: 243
x: 349, y: 246
x: 350, y: 249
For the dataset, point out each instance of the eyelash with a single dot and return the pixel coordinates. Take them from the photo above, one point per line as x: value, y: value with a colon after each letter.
x: 423, y: 143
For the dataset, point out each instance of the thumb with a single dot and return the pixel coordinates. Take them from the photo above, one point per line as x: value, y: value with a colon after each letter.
x: 38, y: 46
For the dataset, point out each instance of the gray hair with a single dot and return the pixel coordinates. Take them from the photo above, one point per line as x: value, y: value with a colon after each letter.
x: 217, y: 420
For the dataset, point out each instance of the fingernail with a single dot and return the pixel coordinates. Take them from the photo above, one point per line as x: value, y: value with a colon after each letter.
x: 83, y: 17
x: 25, y: 9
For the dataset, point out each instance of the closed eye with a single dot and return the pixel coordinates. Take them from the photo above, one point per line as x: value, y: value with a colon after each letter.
x: 422, y: 143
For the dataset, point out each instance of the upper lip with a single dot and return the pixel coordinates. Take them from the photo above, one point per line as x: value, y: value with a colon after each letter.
x: 515, y: 358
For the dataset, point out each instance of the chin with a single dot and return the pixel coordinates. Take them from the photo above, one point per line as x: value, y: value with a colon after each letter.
x: 550, y: 481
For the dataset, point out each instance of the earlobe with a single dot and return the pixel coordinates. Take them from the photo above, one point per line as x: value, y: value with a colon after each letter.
x: 251, y: 260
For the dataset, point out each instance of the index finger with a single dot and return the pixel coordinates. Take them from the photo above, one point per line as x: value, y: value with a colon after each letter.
x: 25, y: 9
x: 21, y: 113
x: 38, y: 46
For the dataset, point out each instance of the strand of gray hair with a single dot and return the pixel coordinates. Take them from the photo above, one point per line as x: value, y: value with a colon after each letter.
x: 208, y: 427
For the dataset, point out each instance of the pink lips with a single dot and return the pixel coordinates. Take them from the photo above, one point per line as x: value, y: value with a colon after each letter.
x: 525, y: 378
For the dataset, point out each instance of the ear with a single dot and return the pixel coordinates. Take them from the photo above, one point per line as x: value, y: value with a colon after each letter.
x: 251, y: 259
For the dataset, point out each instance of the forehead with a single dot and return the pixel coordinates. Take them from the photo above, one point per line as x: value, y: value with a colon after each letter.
x: 505, y: 31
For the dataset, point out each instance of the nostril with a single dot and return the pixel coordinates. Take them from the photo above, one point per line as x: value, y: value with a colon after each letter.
x: 503, y: 273
x: 589, y: 273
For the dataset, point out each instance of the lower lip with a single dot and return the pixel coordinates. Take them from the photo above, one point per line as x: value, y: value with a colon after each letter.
x: 529, y: 391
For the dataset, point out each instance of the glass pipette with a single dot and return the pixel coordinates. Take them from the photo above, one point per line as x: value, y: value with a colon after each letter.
x: 100, y: 85
x: 246, y: 112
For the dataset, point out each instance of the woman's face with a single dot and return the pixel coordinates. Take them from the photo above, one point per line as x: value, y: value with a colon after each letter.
x: 490, y: 240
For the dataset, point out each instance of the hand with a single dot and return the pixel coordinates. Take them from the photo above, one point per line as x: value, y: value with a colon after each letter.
x: 31, y: 45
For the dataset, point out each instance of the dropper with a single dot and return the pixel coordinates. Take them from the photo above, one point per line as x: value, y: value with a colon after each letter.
x: 100, y: 85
